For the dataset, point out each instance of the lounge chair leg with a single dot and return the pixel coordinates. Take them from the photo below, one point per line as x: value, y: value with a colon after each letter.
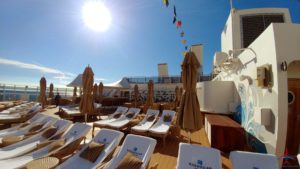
x: 93, y: 131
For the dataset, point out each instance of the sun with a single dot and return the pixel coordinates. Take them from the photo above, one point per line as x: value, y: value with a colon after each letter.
x: 96, y: 16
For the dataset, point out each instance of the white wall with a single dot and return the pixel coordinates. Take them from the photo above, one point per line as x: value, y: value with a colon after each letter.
x: 227, y: 35
x: 198, y: 50
x: 278, y: 43
x: 163, y: 70
x: 215, y: 96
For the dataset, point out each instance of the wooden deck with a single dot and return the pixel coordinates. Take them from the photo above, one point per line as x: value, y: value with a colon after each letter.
x: 166, y: 157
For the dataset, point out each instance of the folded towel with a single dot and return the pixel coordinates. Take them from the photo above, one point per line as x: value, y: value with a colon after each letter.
x: 130, y: 115
x: 6, y: 141
x: 117, y: 115
x: 35, y: 128
x: 49, y: 132
x: 92, y: 152
x: 56, y: 144
x: 130, y: 161
x: 44, y: 144
x: 24, y: 124
x: 150, y: 118
x: 167, y: 118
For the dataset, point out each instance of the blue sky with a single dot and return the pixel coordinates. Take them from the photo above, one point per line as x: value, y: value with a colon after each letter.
x: 48, y: 37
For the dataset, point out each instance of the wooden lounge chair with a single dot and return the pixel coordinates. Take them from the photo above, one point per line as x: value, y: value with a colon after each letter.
x: 117, y: 114
x: 65, y: 144
x: 110, y: 139
x: 44, y: 123
x: 139, y: 146
x: 21, y: 117
x: 147, y: 122
x: 125, y: 119
x: 71, y: 112
x: 36, y: 118
x: 162, y: 126
x: 27, y: 145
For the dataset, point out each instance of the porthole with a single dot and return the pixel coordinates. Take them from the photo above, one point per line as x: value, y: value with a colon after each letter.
x: 291, y: 97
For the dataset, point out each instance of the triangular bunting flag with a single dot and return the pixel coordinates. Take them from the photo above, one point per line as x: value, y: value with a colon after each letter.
x: 179, y: 24
x: 186, y: 47
x: 183, y: 41
x: 183, y: 53
x: 166, y: 2
x: 182, y: 34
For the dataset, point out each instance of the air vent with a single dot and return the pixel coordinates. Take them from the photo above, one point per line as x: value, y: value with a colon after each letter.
x: 254, y: 25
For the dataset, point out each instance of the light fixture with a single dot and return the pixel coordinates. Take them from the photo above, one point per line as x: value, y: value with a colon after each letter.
x: 283, y: 66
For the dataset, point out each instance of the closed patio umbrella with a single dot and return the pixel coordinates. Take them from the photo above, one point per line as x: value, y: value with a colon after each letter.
x: 74, y: 93
x: 177, y: 96
x: 51, y: 94
x: 100, y: 92
x: 150, y: 97
x: 86, y: 102
x: 189, y: 117
x: 42, y: 96
x: 95, y: 92
x: 136, y: 94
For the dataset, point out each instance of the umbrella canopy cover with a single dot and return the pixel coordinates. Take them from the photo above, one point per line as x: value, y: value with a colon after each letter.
x: 42, y: 97
x: 150, y: 96
x: 76, y: 82
x: 189, y: 117
x: 51, y: 94
x: 86, y: 102
x: 100, y: 92
x: 95, y: 92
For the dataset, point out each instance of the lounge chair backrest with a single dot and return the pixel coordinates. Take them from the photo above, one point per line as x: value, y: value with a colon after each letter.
x: 149, y: 113
x: 121, y: 110
x: 48, y: 119
x: 77, y: 130
x: 61, y: 125
x: 167, y: 112
x: 195, y: 156
x: 36, y: 117
x: 36, y: 107
x: 106, y: 136
x: 136, y: 111
x: 142, y: 147
x: 249, y: 160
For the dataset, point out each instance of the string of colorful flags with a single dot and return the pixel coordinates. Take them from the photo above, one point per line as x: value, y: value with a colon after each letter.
x: 178, y: 23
